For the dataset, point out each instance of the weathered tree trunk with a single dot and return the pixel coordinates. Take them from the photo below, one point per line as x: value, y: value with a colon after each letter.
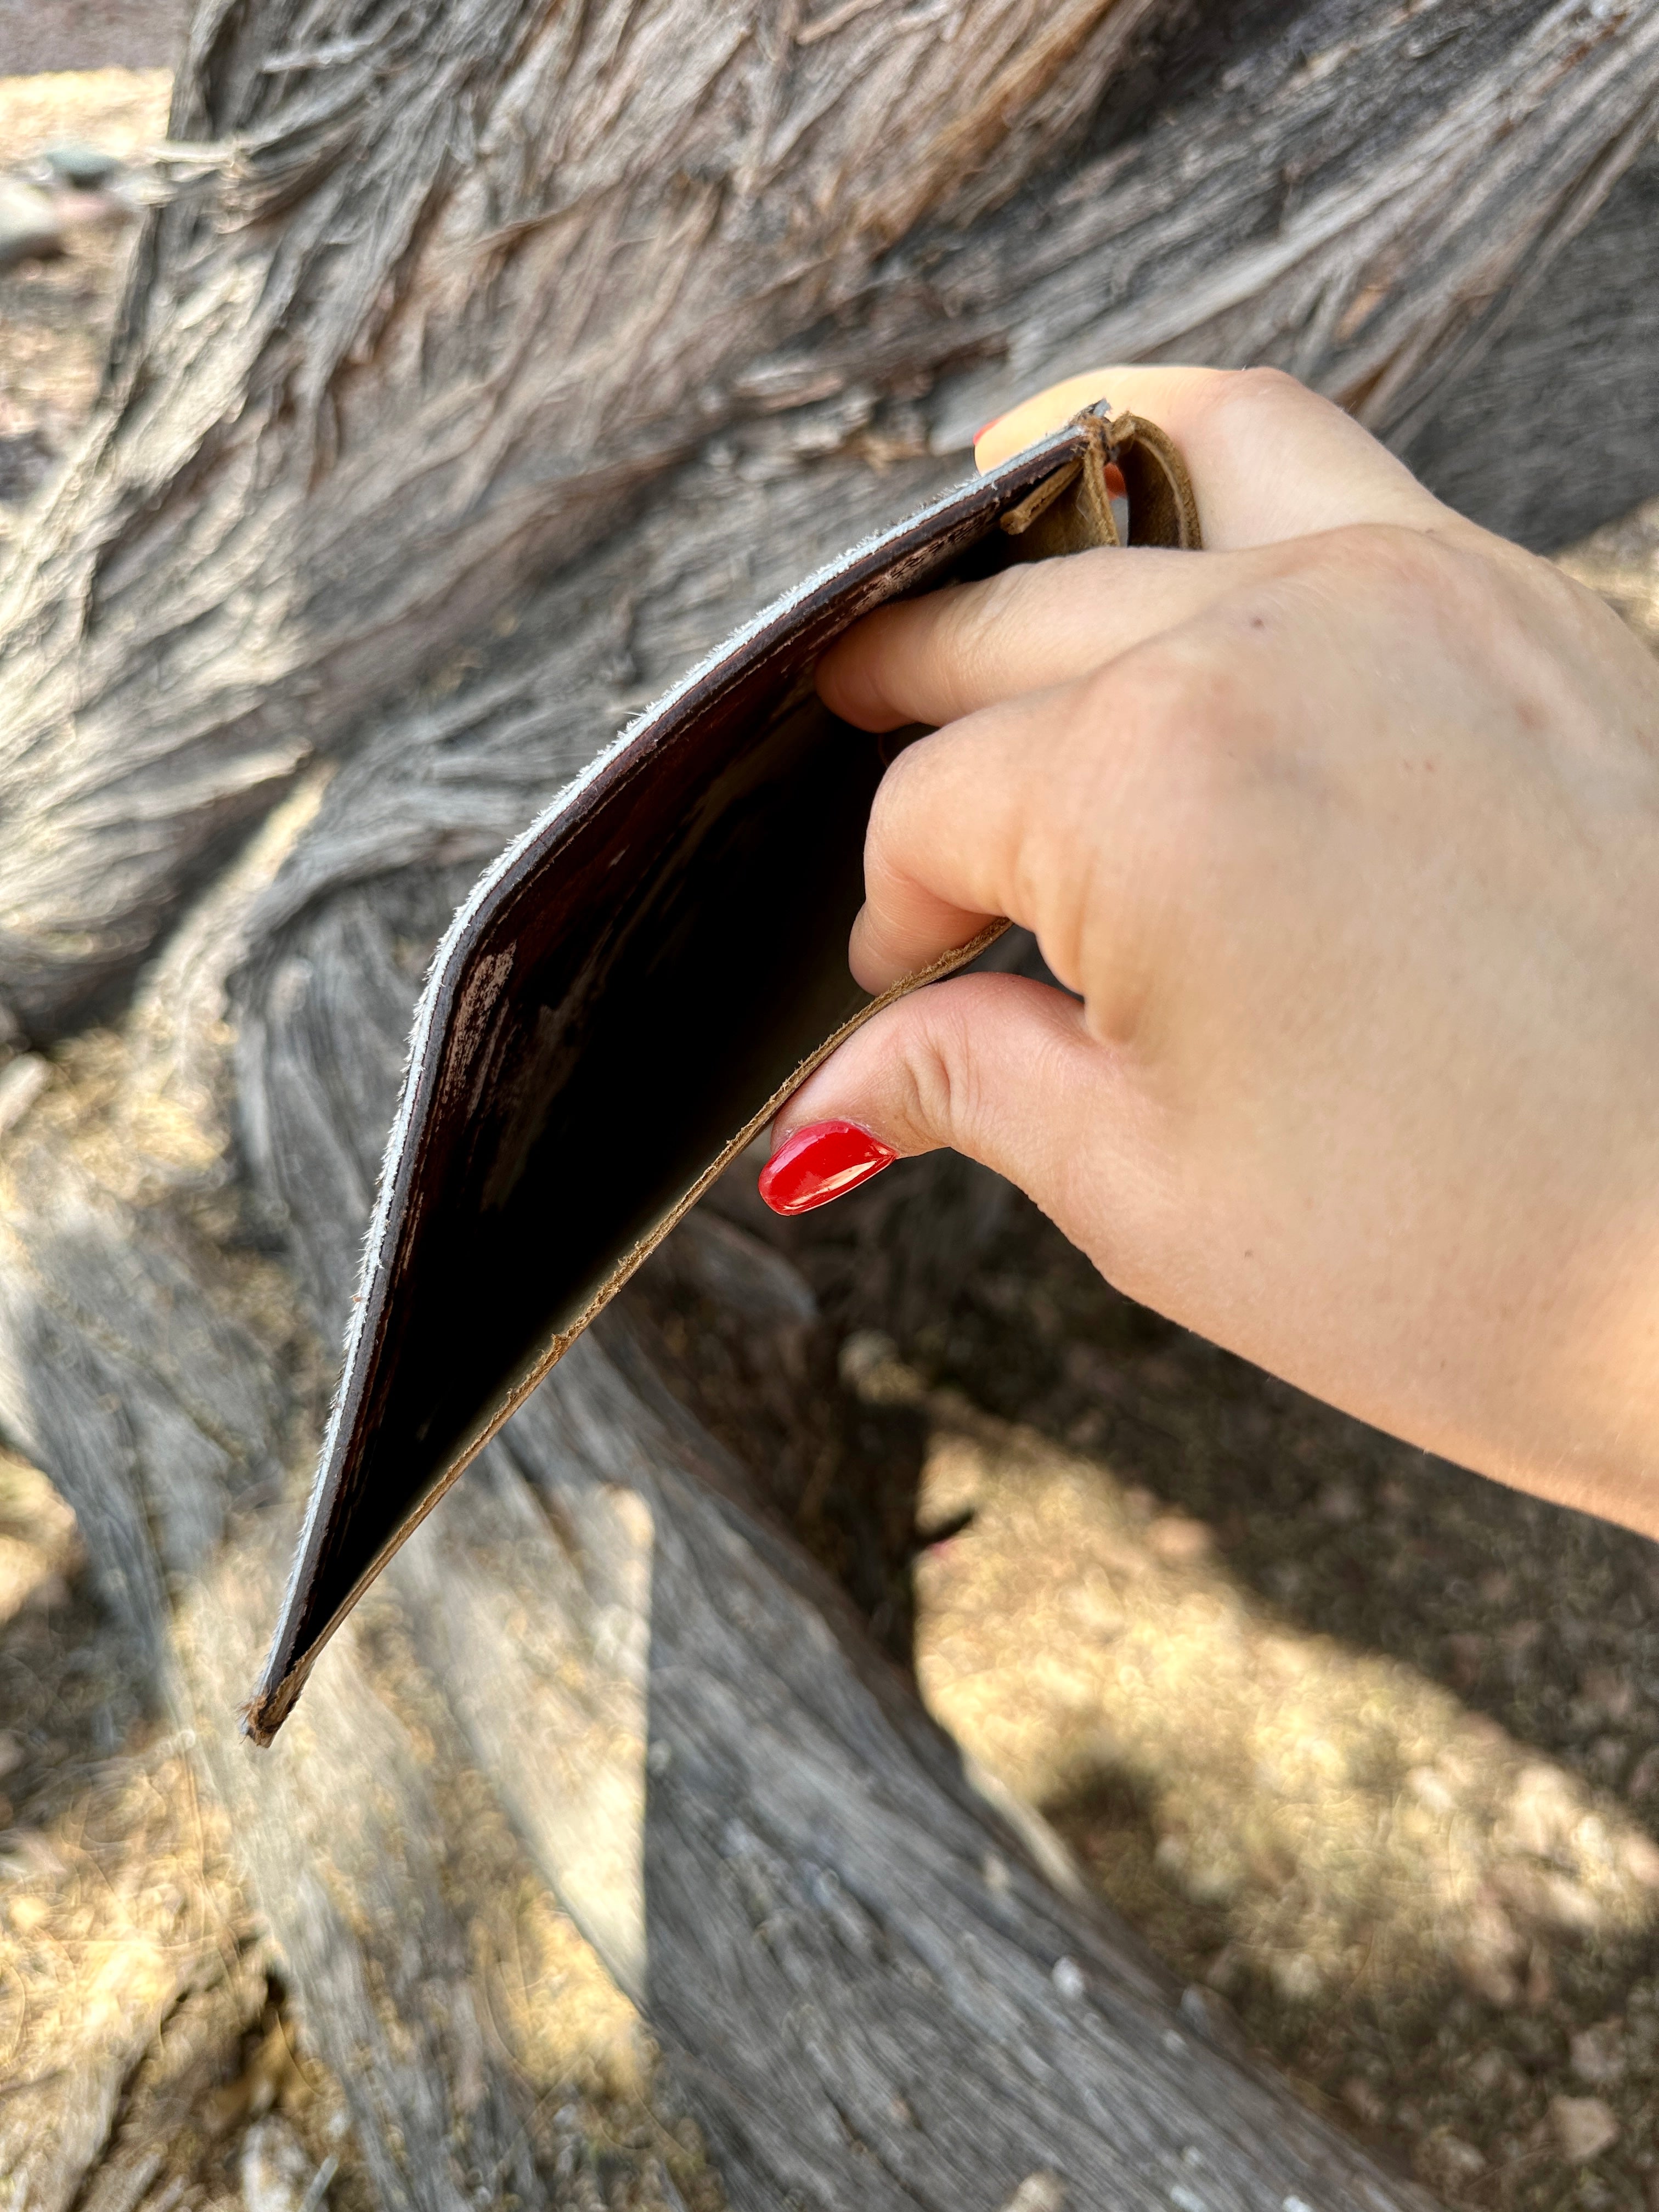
x: 504, y: 355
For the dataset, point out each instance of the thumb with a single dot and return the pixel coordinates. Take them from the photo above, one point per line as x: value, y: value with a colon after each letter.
x: 999, y: 1068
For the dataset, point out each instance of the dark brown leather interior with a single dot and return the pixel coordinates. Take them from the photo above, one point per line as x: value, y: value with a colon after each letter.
x: 627, y: 999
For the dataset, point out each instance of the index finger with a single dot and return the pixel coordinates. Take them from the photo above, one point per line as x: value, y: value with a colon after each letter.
x: 1269, y: 458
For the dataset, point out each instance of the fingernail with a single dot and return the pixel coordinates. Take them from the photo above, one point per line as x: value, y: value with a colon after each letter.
x: 818, y: 1163
x: 985, y: 428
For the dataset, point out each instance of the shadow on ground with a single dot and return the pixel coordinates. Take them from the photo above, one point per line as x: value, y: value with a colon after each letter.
x: 1363, y: 1742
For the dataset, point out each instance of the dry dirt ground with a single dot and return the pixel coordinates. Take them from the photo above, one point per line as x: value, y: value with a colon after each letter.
x: 55, y: 315
x: 1366, y: 1745
x: 90, y: 35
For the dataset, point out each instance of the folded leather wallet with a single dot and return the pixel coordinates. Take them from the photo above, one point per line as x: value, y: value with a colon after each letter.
x: 628, y: 997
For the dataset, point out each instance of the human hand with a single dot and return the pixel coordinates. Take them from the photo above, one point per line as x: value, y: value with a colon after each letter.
x: 1345, y: 832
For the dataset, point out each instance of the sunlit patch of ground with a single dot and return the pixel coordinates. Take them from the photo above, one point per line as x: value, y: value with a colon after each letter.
x: 56, y: 316
x: 121, y: 111
x: 550, y: 2013
x: 1285, y: 1818
x: 139, y: 2025
x: 146, y: 2036
x: 91, y: 36
x: 1361, y: 1742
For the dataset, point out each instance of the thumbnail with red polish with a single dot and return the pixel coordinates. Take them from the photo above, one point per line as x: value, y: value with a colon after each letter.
x: 818, y: 1163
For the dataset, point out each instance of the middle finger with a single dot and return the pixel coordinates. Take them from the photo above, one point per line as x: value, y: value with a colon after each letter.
x: 1043, y: 623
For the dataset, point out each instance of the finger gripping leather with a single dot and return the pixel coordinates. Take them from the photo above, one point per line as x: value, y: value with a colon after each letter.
x: 673, y: 926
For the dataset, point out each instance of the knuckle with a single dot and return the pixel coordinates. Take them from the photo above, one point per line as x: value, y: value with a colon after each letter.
x: 1277, y: 382
x: 936, y: 1087
x: 1240, y: 390
x: 1425, y: 581
x: 1177, y: 705
x: 895, y: 795
x: 1386, y: 551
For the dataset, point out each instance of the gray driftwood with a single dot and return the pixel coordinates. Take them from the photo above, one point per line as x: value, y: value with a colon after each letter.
x: 500, y: 357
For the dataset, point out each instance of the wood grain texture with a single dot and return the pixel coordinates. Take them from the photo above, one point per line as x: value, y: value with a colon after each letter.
x: 743, y: 1806
x: 388, y: 357
x: 911, y: 2014
x: 129, y: 1367
x: 444, y: 428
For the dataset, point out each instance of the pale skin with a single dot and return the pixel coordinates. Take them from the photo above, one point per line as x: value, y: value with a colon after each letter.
x: 1343, y: 838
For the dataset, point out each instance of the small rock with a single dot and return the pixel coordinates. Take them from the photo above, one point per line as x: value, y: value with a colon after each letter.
x: 1364, y: 2101
x: 1584, y: 2127
x: 1542, y: 1811
x: 1598, y: 2055
x: 1213, y: 1877
x: 1489, y: 1976
x: 1067, y: 1978
x: 22, y: 1082
x: 1607, y: 1690
x: 1639, y: 1856
x: 1172, y: 1855
x: 870, y: 1367
x: 1430, y: 1790
x: 1296, y: 1977
x: 1491, y: 2071
x: 273, y: 2170
x: 31, y: 228
x: 1179, y: 1541
x: 1490, y: 1950
x: 89, y: 168
x: 1039, y: 2192
x: 1448, y: 2162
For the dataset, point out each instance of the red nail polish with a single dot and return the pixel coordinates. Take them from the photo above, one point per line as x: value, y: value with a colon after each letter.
x: 818, y: 1163
x: 984, y: 427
